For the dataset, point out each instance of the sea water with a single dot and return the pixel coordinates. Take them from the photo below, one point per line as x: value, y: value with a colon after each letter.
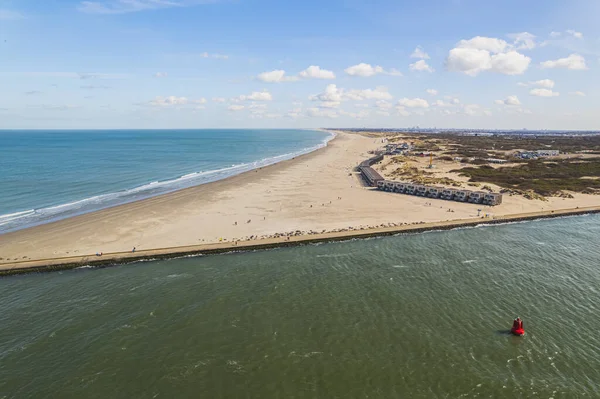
x: 50, y: 175
x: 413, y: 316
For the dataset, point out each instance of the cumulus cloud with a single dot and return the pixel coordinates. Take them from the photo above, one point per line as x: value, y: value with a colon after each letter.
x: 479, y: 54
x: 236, y: 107
x: 577, y: 93
x: 509, y: 101
x: 382, y: 104
x: 419, y: 53
x: 555, y: 34
x: 574, y: 62
x: 543, y: 93
x: 160, y: 75
x: 413, y: 103
x: 401, y: 110
x: 312, y: 72
x: 255, y: 96
x: 433, y: 92
x: 575, y: 34
x: 367, y: 70
x: 315, y: 72
x: 276, y: 76
x: 523, y: 41
x: 545, y: 83
x: 421, y: 66
x: 218, y: 99
x: 442, y: 104
x: 356, y: 115
x: 330, y: 104
x: 334, y: 94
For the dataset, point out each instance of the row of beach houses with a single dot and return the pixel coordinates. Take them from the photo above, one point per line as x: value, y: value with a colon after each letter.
x: 451, y: 194
x: 374, y: 179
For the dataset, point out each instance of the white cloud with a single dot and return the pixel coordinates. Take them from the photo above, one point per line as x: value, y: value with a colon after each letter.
x: 361, y: 105
x: 433, y: 92
x: 421, y: 66
x: 168, y: 101
x: 382, y: 104
x: 334, y: 94
x: 510, y: 101
x: 486, y: 54
x: 577, y: 93
x: 276, y: 76
x: 236, y: 107
x: 7, y: 15
x: 555, y: 34
x: 523, y: 41
x: 545, y: 83
x: 255, y: 96
x: 379, y: 93
x: 471, y: 109
x: 218, y: 99
x: 573, y: 62
x: 172, y: 101
x: 442, y: 104
x: 367, y: 70
x: 321, y: 113
x: 127, y: 6
x: 215, y: 56
x: 312, y: 72
x: 330, y: 104
x: 382, y: 113
x: 419, y: 53
x: 543, y: 93
x: 402, y: 111
x: 489, y: 44
x: 575, y: 34
x: 160, y: 75
x: 315, y: 72
x: 413, y: 103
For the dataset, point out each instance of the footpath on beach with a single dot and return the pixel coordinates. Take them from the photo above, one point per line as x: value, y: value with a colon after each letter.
x: 108, y: 259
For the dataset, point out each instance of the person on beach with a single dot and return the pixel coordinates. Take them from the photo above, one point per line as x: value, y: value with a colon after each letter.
x: 133, y: 250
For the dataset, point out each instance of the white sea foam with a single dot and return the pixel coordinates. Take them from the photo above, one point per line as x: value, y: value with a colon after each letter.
x: 31, y: 217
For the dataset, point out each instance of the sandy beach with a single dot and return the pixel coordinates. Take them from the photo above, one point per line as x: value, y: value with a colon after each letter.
x: 317, y: 193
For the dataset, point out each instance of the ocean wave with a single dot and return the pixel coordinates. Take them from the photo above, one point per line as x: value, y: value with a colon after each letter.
x: 32, y: 217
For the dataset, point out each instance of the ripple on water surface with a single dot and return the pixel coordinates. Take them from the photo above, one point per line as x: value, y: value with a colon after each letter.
x: 419, y: 316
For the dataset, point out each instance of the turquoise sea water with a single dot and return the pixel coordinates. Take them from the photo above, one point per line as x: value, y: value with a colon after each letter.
x: 413, y: 316
x: 48, y: 175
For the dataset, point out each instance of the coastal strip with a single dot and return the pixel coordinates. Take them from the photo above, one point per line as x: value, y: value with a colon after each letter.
x: 116, y: 258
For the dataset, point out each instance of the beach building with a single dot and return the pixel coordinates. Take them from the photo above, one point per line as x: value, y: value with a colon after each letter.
x: 492, y: 199
x: 389, y: 185
x: 411, y: 189
x: 476, y: 197
x: 435, y: 192
x: 462, y: 195
x: 381, y: 185
x: 370, y: 175
x: 421, y: 190
x: 448, y: 193
x: 496, y: 160
x: 400, y: 188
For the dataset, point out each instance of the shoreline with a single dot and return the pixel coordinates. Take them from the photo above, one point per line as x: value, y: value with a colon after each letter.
x: 119, y: 258
x: 274, y: 160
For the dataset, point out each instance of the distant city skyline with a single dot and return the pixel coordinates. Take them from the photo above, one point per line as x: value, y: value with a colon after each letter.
x: 207, y: 64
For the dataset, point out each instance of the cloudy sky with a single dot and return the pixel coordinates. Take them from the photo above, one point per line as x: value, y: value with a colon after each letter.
x: 273, y: 63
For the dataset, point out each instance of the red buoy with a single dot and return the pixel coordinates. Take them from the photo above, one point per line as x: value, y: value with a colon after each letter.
x: 517, y: 328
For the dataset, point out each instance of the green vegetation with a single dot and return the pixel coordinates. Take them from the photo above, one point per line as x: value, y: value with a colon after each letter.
x: 414, y: 175
x: 544, y: 178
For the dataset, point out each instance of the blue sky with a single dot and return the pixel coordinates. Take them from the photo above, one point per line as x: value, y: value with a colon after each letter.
x: 254, y: 63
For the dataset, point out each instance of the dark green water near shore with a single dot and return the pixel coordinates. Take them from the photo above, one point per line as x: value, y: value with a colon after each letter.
x: 416, y: 316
